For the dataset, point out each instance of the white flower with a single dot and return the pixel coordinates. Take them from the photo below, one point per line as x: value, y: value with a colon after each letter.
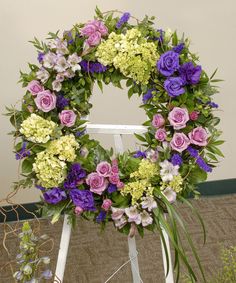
x: 73, y: 61
x: 52, y: 43
x: 69, y: 74
x: 49, y: 60
x: 146, y: 218
x: 61, y: 47
x: 170, y: 194
x: 168, y: 171
x: 43, y: 75
x: 168, y: 34
x: 117, y: 213
x: 152, y: 155
x: 133, y: 214
x: 56, y: 85
x: 149, y: 203
x: 61, y: 64
x: 120, y: 222
x: 60, y: 77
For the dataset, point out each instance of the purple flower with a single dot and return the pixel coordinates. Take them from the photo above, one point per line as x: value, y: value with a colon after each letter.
x: 82, y: 198
x: 160, y: 38
x: 168, y: 63
x: 75, y: 175
x: 101, y: 216
x: 69, y: 37
x: 47, y: 274
x: 148, y: 95
x: 62, y: 102
x: 40, y: 57
x: 23, y: 152
x: 40, y: 188
x: 189, y: 73
x: 174, y: 86
x: 92, y: 67
x: 202, y: 164
x: 192, y: 151
x: 176, y: 159
x: 123, y: 19
x: 178, y: 48
x: 54, y: 195
x: 80, y: 133
x: 212, y: 104
x: 111, y: 188
x: 140, y: 154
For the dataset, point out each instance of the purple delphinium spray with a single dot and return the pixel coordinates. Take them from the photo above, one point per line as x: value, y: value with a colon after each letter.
x: 62, y: 102
x: 192, y: 151
x: 23, y: 152
x: 101, y: 216
x: 148, y: 95
x: 123, y: 19
x: 179, y: 48
x: 111, y: 188
x: 199, y: 160
x: 82, y: 198
x: 176, y: 159
x: 54, y: 195
x: 75, y: 175
x: 140, y: 154
x: 212, y: 104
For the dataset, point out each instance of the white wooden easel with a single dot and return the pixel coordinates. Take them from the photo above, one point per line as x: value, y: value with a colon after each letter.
x: 117, y: 131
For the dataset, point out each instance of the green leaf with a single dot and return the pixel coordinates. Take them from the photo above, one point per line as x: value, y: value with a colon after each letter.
x: 212, y: 76
x: 26, y: 166
x: 100, y: 85
x: 139, y: 137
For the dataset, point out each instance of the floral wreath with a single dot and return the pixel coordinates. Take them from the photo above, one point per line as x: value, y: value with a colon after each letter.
x: 76, y: 175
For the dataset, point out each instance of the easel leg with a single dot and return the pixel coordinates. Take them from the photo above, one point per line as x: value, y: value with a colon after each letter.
x: 63, y: 250
x: 133, y: 255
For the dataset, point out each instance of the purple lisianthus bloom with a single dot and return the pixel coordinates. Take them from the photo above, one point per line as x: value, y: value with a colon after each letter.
x: 54, y: 195
x: 174, y: 86
x: 202, y: 164
x: 47, y: 274
x: 111, y: 188
x: 148, y: 95
x: 82, y: 198
x: 176, y: 159
x: 192, y: 151
x: 178, y: 48
x: 92, y: 67
x: 212, y: 104
x: 23, y: 152
x: 40, y: 57
x: 168, y: 63
x: 189, y: 73
x: 75, y: 175
x: 140, y: 154
x: 62, y: 102
x: 123, y: 19
x: 101, y: 216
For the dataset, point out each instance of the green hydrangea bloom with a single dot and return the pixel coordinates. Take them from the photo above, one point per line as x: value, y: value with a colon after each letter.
x: 132, y: 54
x: 64, y: 147
x: 146, y: 170
x: 50, y: 170
x: 37, y: 130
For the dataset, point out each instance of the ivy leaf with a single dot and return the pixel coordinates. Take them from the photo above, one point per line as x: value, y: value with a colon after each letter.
x: 26, y: 166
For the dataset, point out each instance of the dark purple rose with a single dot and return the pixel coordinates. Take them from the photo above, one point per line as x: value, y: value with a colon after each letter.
x: 101, y: 216
x: 168, y: 63
x: 82, y: 198
x: 174, y: 86
x: 189, y: 73
x: 54, y: 195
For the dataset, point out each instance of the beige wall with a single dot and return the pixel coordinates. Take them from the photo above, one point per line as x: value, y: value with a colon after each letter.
x: 211, y: 25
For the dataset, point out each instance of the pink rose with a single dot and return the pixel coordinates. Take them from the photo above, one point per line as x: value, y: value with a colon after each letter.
x: 179, y: 142
x: 114, y: 162
x: 88, y: 30
x: 178, y: 118
x: 101, y: 27
x: 78, y: 210
x: 104, y: 169
x: 198, y: 136
x: 120, y: 185
x: 67, y: 118
x: 94, y: 39
x: 34, y: 87
x: 106, y: 204
x: 97, y: 183
x: 160, y: 134
x: 114, y: 179
x: 114, y: 169
x: 193, y: 115
x: 46, y: 101
x: 158, y: 121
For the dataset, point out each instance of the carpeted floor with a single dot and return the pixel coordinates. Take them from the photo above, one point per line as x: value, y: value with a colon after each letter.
x: 94, y: 256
